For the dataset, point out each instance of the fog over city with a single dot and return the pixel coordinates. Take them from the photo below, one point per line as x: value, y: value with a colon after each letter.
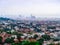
x: 38, y: 8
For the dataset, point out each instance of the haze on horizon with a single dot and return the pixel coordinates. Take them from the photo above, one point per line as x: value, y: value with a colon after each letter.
x: 39, y: 8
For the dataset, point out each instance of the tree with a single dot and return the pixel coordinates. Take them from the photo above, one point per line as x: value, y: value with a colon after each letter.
x: 8, y: 32
x: 46, y: 37
x: 56, y: 39
x: 0, y: 40
x: 15, y: 33
x: 35, y: 36
x: 35, y: 43
x: 8, y: 40
x: 16, y: 43
x: 19, y: 35
x: 58, y: 43
x: 29, y: 33
x: 51, y: 44
x: 12, y: 39
x: 25, y: 43
x: 41, y: 40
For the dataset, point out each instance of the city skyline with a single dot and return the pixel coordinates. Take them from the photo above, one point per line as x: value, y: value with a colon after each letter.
x: 40, y: 8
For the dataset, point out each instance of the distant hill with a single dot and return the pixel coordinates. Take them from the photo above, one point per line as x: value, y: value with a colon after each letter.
x: 5, y: 19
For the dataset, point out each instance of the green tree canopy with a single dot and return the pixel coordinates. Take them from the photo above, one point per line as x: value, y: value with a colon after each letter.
x: 46, y: 37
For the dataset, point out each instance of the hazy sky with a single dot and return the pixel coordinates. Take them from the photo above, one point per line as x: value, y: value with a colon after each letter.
x: 42, y: 8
